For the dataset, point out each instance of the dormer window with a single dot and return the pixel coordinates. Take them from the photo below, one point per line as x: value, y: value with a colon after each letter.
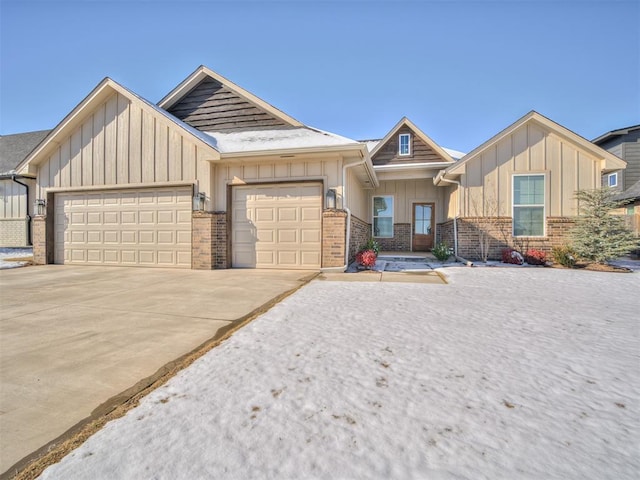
x: 404, y: 145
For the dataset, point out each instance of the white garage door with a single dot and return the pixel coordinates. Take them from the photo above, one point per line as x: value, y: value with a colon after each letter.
x: 147, y: 227
x: 277, y: 226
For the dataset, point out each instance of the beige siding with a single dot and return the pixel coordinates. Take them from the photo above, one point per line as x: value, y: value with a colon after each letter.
x: 487, y: 182
x: 121, y: 143
x: 256, y: 171
x: 407, y: 192
x: 357, y: 197
x: 14, y: 199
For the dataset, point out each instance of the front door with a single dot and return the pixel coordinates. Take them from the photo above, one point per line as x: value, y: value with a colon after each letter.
x: 422, y: 227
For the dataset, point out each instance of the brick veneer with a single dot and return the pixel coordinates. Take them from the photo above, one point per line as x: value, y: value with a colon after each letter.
x: 209, y: 246
x: 360, y: 234
x: 401, y: 240
x: 39, y: 240
x: 334, y: 224
x: 500, y: 230
x: 13, y: 232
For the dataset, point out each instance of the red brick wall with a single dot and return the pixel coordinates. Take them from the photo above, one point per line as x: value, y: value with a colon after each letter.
x: 360, y: 234
x: 334, y: 231
x: 500, y: 230
x: 401, y: 241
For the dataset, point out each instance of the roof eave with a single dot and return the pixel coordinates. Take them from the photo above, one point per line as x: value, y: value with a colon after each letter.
x: 292, y: 151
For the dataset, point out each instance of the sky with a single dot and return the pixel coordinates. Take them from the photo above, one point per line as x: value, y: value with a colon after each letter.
x: 460, y: 70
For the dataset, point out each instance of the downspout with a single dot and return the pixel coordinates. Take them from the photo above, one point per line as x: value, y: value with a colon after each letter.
x: 455, y: 219
x: 346, y: 209
x: 13, y: 178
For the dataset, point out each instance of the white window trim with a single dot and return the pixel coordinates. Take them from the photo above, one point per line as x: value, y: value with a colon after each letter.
x: 614, y: 176
x: 408, y: 135
x: 373, y: 216
x: 543, y: 205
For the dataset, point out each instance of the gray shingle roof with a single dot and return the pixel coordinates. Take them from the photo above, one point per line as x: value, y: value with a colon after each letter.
x: 14, y: 148
x: 630, y: 193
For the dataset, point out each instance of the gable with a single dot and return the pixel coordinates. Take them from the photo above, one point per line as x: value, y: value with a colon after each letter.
x: 211, y: 106
x: 420, y: 152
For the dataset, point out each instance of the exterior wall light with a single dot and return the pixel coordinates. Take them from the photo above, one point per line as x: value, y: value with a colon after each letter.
x: 331, y: 198
x: 198, y: 202
x: 40, y: 206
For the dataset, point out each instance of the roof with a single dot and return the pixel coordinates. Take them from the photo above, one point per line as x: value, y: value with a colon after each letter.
x: 14, y: 148
x: 615, y: 133
x: 261, y: 140
x: 405, y: 122
x: 610, y: 161
x: 630, y: 193
x: 202, y: 72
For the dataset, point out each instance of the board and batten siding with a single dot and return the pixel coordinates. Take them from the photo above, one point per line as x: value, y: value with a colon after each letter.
x: 326, y: 170
x: 14, y: 199
x: 529, y: 149
x: 357, y: 197
x: 407, y: 192
x: 121, y: 143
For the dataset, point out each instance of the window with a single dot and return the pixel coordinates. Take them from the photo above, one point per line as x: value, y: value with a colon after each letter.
x: 404, y: 147
x: 612, y: 181
x: 383, y: 216
x: 528, y: 205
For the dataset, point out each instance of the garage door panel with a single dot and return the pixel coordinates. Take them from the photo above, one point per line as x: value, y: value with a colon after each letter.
x: 285, y: 220
x: 150, y: 227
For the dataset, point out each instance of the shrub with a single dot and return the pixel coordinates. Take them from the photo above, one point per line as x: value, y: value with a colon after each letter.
x: 564, y: 255
x: 441, y: 251
x: 535, y: 257
x: 509, y: 255
x: 366, y: 258
x: 371, y: 245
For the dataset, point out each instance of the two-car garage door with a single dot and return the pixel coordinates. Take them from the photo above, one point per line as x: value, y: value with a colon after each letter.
x: 147, y: 227
x: 277, y: 226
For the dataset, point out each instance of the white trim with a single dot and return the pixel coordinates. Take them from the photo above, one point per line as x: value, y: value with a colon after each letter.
x: 543, y: 205
x: 373, y: 216
x: 408, y: 135
x: 613, y: 175
x: 412, y: 166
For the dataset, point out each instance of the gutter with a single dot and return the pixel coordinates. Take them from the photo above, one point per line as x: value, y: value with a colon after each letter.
x: 28, y: 217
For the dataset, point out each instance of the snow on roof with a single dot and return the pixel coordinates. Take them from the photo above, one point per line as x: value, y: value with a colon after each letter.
x: 455, y: 154
x: 275, y: 139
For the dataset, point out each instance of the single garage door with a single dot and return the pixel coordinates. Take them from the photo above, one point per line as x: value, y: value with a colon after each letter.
x: 277, y: 226
x: 147, y: 227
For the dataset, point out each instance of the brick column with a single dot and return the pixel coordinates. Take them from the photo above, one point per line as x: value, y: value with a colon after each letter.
x: 39, y: 239
x: 219, y: 237
x: 201, y: 241
x: 334, y: 232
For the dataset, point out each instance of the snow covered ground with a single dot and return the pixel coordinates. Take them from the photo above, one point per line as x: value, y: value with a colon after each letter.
x: 502, y: 374
x: 14, y: 253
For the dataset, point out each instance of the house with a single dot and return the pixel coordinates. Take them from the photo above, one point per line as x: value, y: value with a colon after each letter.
x: 518, y: 187
x: 214, y: 177
x: 16, y: 191
x: 625, y: 143
x: 211, y: 177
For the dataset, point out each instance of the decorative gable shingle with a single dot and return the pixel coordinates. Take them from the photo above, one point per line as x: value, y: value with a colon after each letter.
x: 211, y: 106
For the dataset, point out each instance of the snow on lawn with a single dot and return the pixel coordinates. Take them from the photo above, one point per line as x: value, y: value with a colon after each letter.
x: 502, y: 374
x: 14, y: 253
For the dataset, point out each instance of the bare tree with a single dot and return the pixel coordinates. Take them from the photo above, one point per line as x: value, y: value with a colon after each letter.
x: 488, y: 213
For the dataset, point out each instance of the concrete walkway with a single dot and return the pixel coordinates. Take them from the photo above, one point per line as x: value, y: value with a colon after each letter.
x: 71, y: 338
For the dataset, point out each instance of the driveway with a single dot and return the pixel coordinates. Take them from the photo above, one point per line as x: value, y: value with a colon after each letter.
x: 74, y: 337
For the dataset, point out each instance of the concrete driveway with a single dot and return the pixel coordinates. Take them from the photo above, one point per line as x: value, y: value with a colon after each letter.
x: 71, y: 337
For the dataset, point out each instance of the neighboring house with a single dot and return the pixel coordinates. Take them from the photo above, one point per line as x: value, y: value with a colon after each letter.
x: 16, y: 191
x: 518, y: 187
x: 625, y: 143
x: 214, y: 177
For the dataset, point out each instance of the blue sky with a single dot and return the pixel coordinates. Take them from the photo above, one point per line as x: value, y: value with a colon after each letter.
x: 461, y: 70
